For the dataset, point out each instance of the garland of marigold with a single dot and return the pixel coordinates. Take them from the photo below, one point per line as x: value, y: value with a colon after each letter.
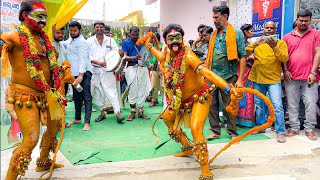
x: 174, y: 78
x: 32, y: 59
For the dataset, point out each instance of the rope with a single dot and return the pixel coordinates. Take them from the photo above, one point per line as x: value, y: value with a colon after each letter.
x: 56, y: 151
x: 155, y: 121
x: 63, y: 123
x: 233, y: 108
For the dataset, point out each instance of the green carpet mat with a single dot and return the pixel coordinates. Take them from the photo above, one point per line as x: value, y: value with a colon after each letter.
x: 108, y: 141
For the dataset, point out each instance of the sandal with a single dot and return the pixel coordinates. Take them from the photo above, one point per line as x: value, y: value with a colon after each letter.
x: 120, y: 119
x: 152, y: 104
x: 290, y: 133
x: 311, y: 135
x: 100, y: 118
x: 144, y: 117
x: 132, y: 115
x: 130, y: 118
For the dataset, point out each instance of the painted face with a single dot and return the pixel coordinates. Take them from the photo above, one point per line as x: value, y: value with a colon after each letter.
x: 38, y: 16
x: 174, y: 40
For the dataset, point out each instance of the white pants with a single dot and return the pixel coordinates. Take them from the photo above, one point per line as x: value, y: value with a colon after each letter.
x: 139, y: 84
x: 104, y: 90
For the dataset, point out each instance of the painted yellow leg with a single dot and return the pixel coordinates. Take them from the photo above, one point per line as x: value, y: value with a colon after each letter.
x: 29, y: 124
x: 199, y: 115
x: 169, y: 118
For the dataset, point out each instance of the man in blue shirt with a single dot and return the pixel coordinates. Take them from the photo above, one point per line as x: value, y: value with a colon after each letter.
x: 78, y: 56
x: 136, y: 75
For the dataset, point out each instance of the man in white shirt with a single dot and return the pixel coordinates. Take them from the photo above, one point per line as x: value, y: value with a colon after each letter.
x: 57, y: 42
x: 78, y: 56
x: 103, y: 84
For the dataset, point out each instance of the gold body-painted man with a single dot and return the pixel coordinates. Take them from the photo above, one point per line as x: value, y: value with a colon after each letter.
x: 33, y: 88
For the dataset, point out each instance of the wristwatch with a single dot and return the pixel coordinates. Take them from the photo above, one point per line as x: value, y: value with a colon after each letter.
x: 313, y: 73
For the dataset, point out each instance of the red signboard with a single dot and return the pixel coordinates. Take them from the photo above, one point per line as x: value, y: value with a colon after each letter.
x: 265, y: 8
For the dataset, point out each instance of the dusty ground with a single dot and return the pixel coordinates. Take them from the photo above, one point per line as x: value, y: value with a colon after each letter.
x: 299, y: 158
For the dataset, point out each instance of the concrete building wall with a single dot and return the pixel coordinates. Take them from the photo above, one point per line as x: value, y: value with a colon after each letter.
x: 188, y: 13
x: 240, y: 12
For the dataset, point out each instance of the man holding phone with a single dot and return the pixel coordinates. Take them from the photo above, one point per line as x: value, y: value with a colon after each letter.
x: 269, y: 53
x: 301, y: 75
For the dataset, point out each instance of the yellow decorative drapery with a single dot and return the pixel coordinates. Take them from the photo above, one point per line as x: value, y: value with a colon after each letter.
x: 67, y: 9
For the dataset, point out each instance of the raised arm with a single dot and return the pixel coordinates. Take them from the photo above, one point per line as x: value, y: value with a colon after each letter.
x: 200, y: 68
x: 146, y: 42
x: 157, y: 54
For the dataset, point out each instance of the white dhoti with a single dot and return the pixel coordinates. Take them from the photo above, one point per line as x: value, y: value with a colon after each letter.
x: 104, y: 90
x: 138, y: 83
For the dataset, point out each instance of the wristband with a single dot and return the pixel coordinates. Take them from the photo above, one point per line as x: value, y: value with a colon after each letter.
x: 1, y: 42
x: 200, y: 66
x: 227, y: 89
x: 313, y: 73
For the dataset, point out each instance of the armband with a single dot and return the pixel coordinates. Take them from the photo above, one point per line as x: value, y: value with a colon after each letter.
x: 10, y: 111
x: 200, y: 66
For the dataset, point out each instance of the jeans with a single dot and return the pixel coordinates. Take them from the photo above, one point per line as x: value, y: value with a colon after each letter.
x: 275, y: 95
x: 295, y: 90
x: 214, y: 111
x: 83, y: 96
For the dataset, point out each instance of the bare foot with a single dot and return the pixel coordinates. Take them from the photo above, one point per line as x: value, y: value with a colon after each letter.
x: 184, y: 153
x: 86, y: 127
x: 75, y: 121
x: 39, y: 169
x: 212, y: 136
